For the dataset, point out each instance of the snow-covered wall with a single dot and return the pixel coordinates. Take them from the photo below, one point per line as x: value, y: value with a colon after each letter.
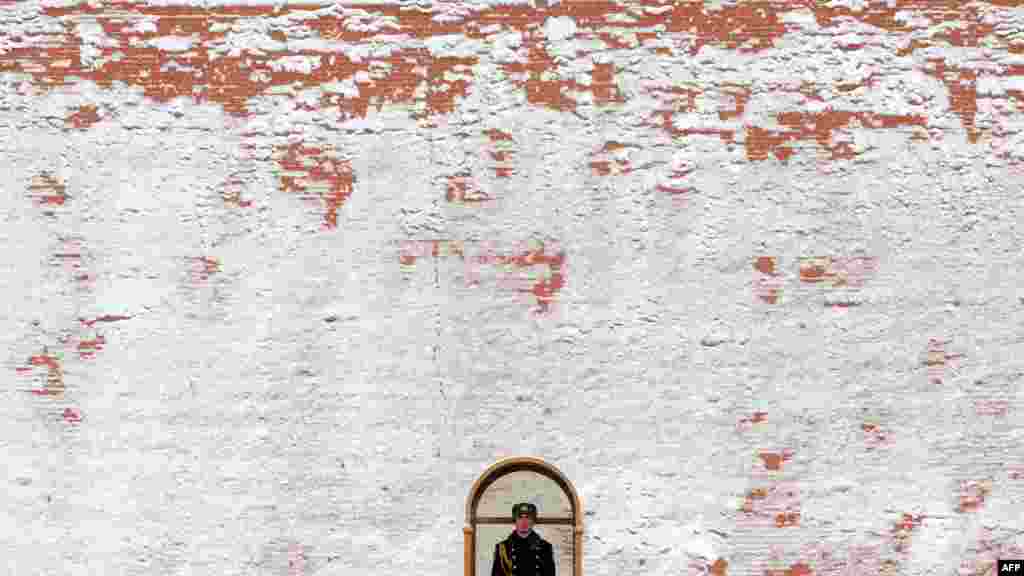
x: 281, y: 280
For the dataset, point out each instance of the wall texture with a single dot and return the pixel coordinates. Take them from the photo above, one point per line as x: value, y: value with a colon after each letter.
x: 279, y: 281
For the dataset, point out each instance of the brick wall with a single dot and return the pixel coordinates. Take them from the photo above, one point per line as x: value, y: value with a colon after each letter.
x: 282, y: 279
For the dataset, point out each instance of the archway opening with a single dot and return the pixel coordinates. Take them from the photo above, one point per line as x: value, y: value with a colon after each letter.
x: 489, y: 513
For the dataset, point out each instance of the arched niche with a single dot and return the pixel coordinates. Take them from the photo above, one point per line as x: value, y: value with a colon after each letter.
x: 523, y: 479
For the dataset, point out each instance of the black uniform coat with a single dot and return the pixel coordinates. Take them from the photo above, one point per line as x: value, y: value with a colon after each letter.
x: 529, y: 556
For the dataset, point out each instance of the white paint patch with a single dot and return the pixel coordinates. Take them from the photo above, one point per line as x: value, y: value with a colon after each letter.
x: 800, y: 17
x: 91, y: 31
x: 915, y: 19
x: 296, y: 63
x: 247, y: 42
x: 1016, y: 146
x: 990, y: 85
x: 143, y: 26
x: 346, y: 87
x: 129, y: 296
x: 361, y: 52
x: 453, y: 45
x: 933, y: 540
x: 658, y: 9
x: 505, y: 47
x: 559, y: 33
x: 372, y: 25
x: 855, y: 5
x: 560, y: 28
x: 228, y: 3
x: 172, y: 43
x: 701, y: 548
x: 93, y: 41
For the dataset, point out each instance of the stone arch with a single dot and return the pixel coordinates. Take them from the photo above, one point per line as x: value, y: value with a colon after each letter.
x: 505, y: 467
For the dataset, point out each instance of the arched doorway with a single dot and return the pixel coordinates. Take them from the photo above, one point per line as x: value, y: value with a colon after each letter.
x: 523, y: 479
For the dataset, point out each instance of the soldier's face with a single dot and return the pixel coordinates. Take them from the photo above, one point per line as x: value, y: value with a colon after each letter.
x: 524, y: 523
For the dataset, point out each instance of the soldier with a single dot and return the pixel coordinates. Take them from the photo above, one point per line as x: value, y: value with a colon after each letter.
x: 524, y: 552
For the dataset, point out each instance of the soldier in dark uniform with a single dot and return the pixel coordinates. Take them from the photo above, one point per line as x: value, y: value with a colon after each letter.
x: 524, y: 552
